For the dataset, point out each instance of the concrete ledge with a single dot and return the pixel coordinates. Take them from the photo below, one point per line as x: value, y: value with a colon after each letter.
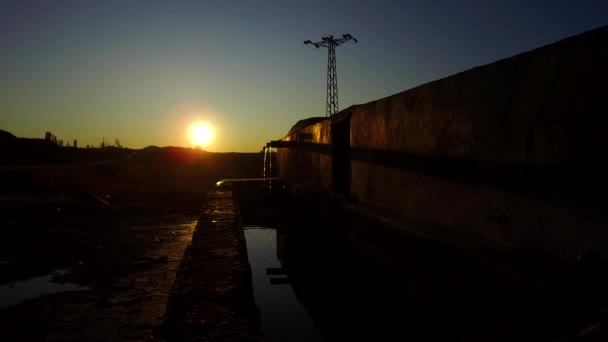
x: 212, y: 299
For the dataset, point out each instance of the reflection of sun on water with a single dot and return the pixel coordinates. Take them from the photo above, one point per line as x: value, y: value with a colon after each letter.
x: 200, y: 134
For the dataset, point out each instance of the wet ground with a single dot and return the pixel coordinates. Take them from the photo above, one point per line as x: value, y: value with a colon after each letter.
x: 91, y: 251
x: 101, y: 276
x: 17, y: 292
x: 179, y: 266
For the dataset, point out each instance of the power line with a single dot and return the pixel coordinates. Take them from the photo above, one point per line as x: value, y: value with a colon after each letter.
x: 331, y: 105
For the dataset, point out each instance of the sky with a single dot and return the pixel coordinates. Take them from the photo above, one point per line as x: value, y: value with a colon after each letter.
x: 144, y: 71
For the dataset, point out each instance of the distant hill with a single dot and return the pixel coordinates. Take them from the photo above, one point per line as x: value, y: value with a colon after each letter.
x: 17, y: 150
x: 14, y: 150
x: 170, y: 150
x: 6, y: 136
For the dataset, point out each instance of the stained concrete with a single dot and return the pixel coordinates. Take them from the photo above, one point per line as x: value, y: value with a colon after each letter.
x: 307, y: 167
x: 212, y: 299
x: 511, y: 152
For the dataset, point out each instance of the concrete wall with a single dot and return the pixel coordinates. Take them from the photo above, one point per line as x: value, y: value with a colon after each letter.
x: 512, y: 151
x: 309, y: 167
x: 542, y: 107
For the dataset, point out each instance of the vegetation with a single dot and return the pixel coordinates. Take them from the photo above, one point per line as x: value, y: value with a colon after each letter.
x: 52, y: 138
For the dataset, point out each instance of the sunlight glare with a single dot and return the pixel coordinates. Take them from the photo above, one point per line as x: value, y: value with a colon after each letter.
x: 200, y: 134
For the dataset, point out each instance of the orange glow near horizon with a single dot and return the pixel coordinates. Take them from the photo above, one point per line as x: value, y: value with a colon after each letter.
x: 200, y: 134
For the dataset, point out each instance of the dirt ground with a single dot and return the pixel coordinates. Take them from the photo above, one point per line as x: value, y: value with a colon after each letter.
x: 128, y: 262
x: 119, y: 230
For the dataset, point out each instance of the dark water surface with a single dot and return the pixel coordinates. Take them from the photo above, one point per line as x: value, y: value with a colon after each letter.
x: 310, y: 287
x: 15, y: 293
x: 311, y: 283
x: 359, y: 279
x: 283, y: 317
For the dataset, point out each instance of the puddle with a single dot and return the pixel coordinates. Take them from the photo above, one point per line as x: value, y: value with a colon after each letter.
x: 283, y: 316
x: 15, y: 293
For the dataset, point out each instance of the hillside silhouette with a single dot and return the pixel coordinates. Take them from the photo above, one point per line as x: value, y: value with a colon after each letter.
x: 38, y: 166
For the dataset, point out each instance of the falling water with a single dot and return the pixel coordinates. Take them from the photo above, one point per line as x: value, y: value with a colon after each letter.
x: 264, y: 169
x: 270, y: 170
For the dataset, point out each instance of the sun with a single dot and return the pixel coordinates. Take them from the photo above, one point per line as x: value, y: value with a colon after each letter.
x: 200, y: 134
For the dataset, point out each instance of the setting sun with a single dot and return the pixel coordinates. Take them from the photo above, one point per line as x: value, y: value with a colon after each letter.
x: 200, y: 134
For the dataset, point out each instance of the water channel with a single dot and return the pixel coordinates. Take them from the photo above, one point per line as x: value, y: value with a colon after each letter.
x: 312, y: 284
x: 283, y: 316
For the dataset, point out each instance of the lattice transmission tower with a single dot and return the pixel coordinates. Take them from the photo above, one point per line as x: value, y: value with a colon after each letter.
x: 331, y: 106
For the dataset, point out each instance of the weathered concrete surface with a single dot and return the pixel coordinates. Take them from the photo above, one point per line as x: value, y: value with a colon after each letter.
x: 539, y: 115
x: 511, y: 152
x: 212, y: 299
x: 541, y: 107
x: 307, y: 167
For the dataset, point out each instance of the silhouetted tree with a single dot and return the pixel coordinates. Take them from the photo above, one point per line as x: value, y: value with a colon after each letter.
x: 48, y: 136
x: 67, y: 144
x: 60, y: 143
x: 117, y: 142
x: 75, y: 143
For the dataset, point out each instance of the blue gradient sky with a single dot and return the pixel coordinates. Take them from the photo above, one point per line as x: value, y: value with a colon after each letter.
x: 142, y: 71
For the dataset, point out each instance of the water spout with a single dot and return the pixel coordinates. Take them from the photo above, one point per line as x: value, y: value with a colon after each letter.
x: 267, y: 171
x: 264, y: 168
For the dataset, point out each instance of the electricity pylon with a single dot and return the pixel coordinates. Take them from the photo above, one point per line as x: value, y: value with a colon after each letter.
x: 331, y: 107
